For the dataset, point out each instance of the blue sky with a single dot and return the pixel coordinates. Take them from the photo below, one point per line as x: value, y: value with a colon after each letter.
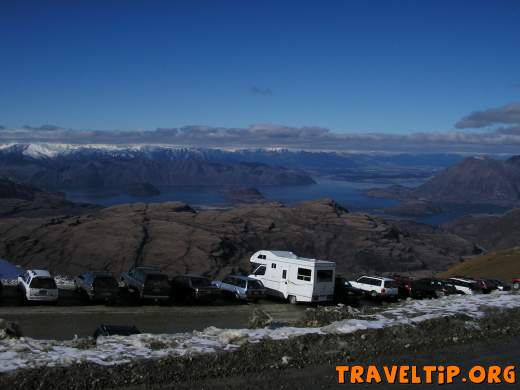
x: 349, y: 66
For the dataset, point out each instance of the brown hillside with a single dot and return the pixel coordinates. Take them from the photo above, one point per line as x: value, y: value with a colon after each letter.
x: 503, y: 265
x: 179, y: 239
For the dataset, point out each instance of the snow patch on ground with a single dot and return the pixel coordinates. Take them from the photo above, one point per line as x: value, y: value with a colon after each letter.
x: 26, y: 352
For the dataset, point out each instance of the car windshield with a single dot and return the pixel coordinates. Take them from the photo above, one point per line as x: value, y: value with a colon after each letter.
x: 105, y: 282
x: 254, y: 284
x: 200, y: 282
x: 43, y: 283
x: 157, y: 280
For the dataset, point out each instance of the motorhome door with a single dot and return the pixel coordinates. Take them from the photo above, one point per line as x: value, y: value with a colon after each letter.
x: 284, y: 282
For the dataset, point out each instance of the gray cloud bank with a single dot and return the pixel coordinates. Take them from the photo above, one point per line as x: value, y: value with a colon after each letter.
x: 494, y: 140
x: 505, y: 115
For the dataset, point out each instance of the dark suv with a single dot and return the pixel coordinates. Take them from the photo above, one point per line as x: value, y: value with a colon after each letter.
x: 432, y: 288
x: 344, y: 292
x: 193, y: 288
x: 147, y: 283
x: 98, y: 286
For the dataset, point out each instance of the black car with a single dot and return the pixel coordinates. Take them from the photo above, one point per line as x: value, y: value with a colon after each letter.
x: 495, y: 284
x: 432, y: 288
x: 98, y: 286
x: 344, y: 292
x: 147, y: 283
x: 193, y: 288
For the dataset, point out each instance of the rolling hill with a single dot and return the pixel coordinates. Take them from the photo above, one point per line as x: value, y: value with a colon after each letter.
x: 503, y: 265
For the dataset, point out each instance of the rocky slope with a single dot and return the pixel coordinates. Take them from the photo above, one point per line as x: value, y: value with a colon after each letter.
x: 178, y: 239
x: 20, y: 200
x: 489, y: 231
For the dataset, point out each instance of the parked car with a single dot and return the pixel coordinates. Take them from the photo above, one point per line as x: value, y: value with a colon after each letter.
x: 432, y: 288
x: 376, y: 286
x: 147, y: 283
x: 98, y: 286
x: 37, y: 286
x: 344, y: 292
x: 404, y: 285
x: 194, y: 288
x: 466, y: 285
x: 498, y: 284
x: 241, y: 287
x: 515, y: 284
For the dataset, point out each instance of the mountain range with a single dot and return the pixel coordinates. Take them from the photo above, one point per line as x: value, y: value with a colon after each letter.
x: 73, y: 166
x: 478, y: 179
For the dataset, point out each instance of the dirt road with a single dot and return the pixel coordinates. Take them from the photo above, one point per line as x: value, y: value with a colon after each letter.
x: 65, y: 322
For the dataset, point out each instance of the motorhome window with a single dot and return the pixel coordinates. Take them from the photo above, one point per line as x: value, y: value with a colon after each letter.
x: 260, y: 270
x: 273, y: 265
x: 324, y: 275
x: 304, y: 274
x: 263, y: 257
x: 284, y: 274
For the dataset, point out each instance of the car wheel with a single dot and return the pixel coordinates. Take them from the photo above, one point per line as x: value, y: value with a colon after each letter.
x: 292, y: 300
x: 21, y: 298
x: 373, y: 294
x: 516, y: 286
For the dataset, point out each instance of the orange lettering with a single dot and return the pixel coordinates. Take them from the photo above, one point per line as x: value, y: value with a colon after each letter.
x: 373, y: 375
x: 493, y: 374
x: 477, y: 374
x: 355, y: 374
x: 429, y: 370
x: 403, y: 374
x: 341, y: 373
x: 451, y: 373
x: 390, y: 375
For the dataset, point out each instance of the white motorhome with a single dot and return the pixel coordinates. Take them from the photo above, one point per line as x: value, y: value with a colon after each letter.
x: 294, y: 278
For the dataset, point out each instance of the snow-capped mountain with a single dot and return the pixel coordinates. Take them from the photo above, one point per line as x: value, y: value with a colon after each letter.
x: 111, y: 166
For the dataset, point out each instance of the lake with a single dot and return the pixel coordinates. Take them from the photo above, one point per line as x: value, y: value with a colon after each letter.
x: 348, y: 194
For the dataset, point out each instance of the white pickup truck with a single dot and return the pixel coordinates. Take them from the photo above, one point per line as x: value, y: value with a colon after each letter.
x: 37, y: 286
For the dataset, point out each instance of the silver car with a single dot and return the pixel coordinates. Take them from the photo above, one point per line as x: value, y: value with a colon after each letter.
x: 241, y: 287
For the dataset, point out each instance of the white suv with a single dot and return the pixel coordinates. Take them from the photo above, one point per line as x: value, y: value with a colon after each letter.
x: 466, y: 286
x: 38, y: 285
x: 376, y: 286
